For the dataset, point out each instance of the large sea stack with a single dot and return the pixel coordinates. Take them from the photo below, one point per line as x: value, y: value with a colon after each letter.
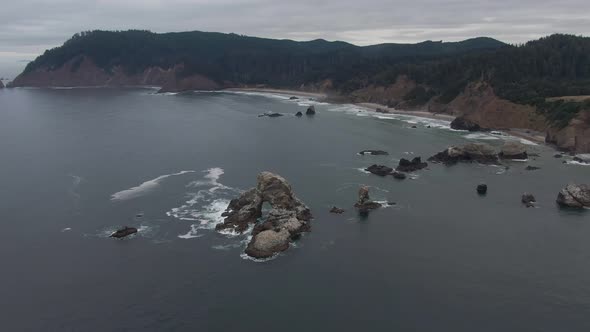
x: 287, y: 219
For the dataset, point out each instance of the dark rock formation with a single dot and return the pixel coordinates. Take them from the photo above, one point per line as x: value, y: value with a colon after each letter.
x: 414, y: 127
x: 513, y: 150
x: 411, y: 166
x: 293, y: 98
x: 482, y: 189
x: 310, y: 110
x: 472, y: 152
x: 364, y: 203
x: 461, y: 123
x: 124, y: 232
x: 528, y: 200
x: 336, y: 210
x: 287, y: 219
x: 558, y: 155
x: 575, y: 196
x: 270, y: 115
x: 298, y: 114
x: 399, y: 175
x: 373, y: 153
x: 532, y: 168
x: 379, y: 170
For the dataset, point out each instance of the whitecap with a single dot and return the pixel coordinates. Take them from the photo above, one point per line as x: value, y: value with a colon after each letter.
x: 144, y: 187
x: 191, y: 234
x: 481, y: 136
x: 363, y: 170
x: 573, y: 162
x: 67, y: 229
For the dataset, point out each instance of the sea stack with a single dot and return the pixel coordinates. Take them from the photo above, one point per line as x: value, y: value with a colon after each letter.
x: 286, y: 220
x: 364, y: 203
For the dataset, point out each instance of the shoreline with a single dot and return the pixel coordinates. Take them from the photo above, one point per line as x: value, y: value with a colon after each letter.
x: 535, y: 137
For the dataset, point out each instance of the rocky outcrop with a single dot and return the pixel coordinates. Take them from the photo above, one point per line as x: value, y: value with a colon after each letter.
x: 408, y: 166
x: 399, y: 175
x: 310, y: 110
x: 472, y: 152
x: 574, y: 196
x: 124, y: 232
x: 582, y: 159
x: 286, y: 220
x: 479, y: 104
x: 392, y: 95
x: 462, y: 123
x: 575, y: 137
x: 513, y: 150
x: 336, y: 210
x: 270, y: 115
x: 379, y: 170
x: 364, y: 203
x: 298, y: 114
x: 528, y: 200
x: 373, y: 153
x: 482, y: 189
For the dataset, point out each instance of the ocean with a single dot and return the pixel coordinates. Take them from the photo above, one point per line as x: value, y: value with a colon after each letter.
x: 76, y: 164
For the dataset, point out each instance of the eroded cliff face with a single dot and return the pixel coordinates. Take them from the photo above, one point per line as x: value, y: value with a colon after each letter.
x: 392, y: 95
x: 479, y: 103
x: 83, y: 72
x: 575, y: 137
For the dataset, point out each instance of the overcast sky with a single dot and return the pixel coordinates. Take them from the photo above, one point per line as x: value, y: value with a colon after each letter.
x: 28, y: 27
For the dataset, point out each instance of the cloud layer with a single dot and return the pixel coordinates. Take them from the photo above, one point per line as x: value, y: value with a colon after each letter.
x: 28, y: 27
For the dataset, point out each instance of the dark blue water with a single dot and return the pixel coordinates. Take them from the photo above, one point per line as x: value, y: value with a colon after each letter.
x: 77, y: 164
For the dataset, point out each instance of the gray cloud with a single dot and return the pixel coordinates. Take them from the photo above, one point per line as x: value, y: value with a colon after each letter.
x: 28, y: 27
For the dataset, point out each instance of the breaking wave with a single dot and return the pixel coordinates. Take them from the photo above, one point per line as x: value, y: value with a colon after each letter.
x: 143, y: 188
x: 205, y: 206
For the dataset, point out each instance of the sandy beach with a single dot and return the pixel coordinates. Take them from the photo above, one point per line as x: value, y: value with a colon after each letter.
x: 533, y: 136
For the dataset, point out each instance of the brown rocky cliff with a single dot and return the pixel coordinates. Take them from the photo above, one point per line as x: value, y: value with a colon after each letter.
x: 391, y: 95
x: 479, y: 103
x: 575, y: 137
x: 83, y: 72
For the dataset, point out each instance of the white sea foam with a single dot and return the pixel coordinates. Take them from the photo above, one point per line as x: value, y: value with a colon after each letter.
x: 481, y: 136
x: 362, y: 170
x: 204, y: 208
x: 573, y: 162
x: 144, y: 187
x: 66, y: 229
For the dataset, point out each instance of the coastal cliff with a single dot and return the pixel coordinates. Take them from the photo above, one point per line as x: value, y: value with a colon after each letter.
x: 484, y: 81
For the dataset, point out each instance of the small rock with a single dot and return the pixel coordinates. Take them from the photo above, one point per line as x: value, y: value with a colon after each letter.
x: 336, y: 210
x: 294, y: 98
x: 532, y: 168
x: 414, y: 127
x: 558, y: 156
x: 380, y: 110
x: 124, y: 232
x: 298, y: 114
x: 310, y: 110
x: 528, y: 200
x: 482, y: 189
x: 461, y: 123
x: 399, y: 175
x: 379, y: 170
x: 411, y: 166
x: 513, y: 150
x: 574, y: 196
x: 270, y: 115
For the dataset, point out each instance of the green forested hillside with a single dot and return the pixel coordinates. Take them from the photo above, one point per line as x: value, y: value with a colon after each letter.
x: 557, y: 65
